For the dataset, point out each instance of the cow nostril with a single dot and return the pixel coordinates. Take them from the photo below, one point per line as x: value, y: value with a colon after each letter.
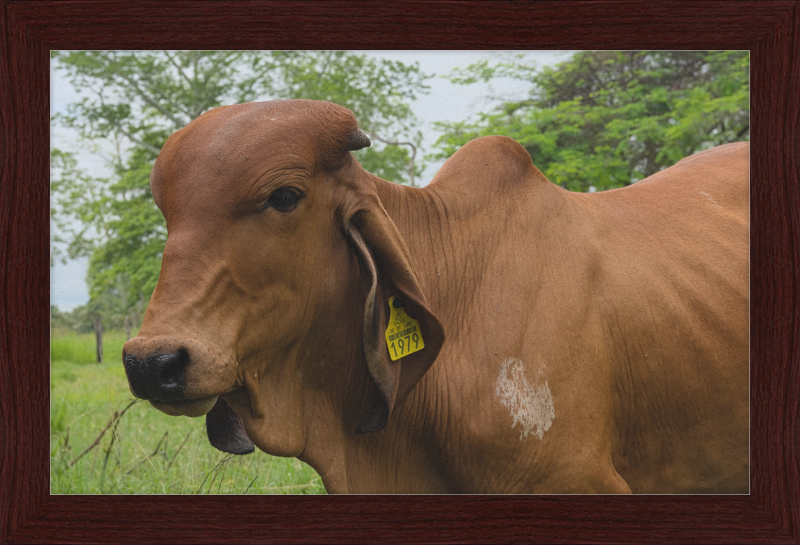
x: 160, y: 377
x: 170, y: 367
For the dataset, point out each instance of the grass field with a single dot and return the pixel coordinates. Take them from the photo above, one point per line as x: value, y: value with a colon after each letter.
x: 103, y: 441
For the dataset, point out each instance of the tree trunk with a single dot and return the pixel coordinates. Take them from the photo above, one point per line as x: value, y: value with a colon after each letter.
x: 127, y: 327
x: 98, y: 335
x: 135, y: 319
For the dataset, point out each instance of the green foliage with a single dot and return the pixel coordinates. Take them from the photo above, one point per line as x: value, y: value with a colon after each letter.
x: 77, y: 205
x: 608, y: 119
x: 130, y: 102
x: 59, y: 319
x: 143, y: 451
x: 144, y: 96
x: 379, y: 93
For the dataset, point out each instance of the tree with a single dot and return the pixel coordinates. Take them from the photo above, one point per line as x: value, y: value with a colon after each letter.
x: 606, y: 119
x: 132, y: 101
x: 379, y: 95
x: 59, y: 319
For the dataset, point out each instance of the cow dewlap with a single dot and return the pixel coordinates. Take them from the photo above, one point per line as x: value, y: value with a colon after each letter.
x: 531, y: 405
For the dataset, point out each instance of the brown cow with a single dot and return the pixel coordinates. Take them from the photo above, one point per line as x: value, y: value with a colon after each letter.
x: 594, y: 342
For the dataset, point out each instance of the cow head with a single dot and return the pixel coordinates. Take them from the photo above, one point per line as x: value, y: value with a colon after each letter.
x: 275, y: 280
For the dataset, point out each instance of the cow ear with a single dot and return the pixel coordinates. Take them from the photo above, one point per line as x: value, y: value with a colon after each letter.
x: 387, y: 265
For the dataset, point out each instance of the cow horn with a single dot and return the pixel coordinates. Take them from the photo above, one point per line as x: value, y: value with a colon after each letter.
x: 357, y: 140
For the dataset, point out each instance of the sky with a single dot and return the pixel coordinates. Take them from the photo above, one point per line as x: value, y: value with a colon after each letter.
x: 444, y: 102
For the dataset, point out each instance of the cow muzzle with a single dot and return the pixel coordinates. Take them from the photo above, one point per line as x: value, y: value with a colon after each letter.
x: 168, y: 376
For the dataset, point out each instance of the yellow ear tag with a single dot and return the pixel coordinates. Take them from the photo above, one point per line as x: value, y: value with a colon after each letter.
x: 403, y: 336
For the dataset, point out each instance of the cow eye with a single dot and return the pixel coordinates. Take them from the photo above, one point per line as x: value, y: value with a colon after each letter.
x: 284, y: 199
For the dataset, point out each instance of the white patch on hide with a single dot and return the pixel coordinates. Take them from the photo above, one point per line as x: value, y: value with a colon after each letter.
x: 531, y: 405
x: 711, y: 199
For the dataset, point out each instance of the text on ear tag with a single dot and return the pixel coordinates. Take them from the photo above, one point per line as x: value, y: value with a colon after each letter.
x: 403, y: 336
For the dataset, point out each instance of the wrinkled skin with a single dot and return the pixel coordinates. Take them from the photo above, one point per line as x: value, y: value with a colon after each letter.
x: 574, y: 343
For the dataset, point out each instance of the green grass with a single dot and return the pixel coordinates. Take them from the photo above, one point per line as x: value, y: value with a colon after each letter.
x: 142, y: 451
x: 66, y: 346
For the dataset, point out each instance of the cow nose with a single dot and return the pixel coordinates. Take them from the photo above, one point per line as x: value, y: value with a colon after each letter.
x: 160, y: 377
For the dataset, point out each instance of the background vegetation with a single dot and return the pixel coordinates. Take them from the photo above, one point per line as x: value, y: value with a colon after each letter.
x: 600, y: 120
x: 606, y: 119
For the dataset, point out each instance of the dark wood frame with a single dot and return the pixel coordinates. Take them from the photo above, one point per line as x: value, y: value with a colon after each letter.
x: 29, y: 514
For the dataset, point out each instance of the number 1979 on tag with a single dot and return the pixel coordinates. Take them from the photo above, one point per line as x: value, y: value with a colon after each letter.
x: 405, y: 345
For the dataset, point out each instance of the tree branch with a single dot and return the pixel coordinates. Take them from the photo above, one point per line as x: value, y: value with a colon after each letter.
x: 180, y: 70
x: 744, y: 130
x: 153, y: 103
x: 207, y: 101
x: 413, y: 154
x: 119, y: 127
x: 133, y: 138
